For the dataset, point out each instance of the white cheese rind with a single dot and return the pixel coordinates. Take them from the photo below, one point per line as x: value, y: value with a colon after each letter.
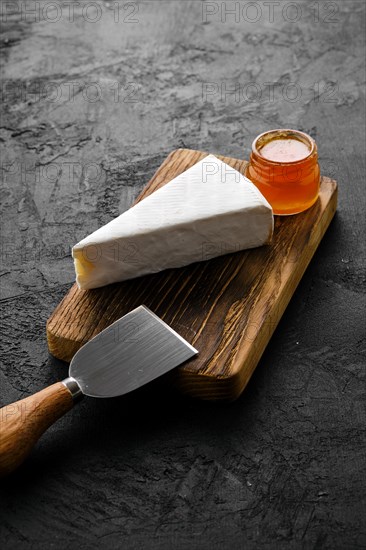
x: 207, y: 211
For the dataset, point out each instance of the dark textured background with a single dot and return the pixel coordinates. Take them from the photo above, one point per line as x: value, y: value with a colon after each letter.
x: 90, y: 111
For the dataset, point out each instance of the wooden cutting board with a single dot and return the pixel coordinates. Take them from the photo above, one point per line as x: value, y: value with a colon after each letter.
x: 227, y: 307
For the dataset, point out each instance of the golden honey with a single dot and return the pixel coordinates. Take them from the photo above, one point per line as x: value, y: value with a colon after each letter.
x: 284, y: 166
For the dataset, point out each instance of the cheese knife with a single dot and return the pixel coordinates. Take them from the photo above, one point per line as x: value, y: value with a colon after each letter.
x: 131, y: 352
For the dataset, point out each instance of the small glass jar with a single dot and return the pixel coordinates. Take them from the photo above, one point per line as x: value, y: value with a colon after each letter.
x: 284, y: 166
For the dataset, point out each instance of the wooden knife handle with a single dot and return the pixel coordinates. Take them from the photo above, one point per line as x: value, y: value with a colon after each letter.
x: 22, y: 423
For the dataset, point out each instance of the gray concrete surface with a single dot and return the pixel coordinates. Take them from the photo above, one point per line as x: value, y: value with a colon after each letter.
x: 95, y: 95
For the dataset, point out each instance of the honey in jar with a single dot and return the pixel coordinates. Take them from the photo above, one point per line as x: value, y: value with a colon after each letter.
x: 284, y: 166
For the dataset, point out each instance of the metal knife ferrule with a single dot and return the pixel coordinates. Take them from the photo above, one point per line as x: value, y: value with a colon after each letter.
x: 74, y: 388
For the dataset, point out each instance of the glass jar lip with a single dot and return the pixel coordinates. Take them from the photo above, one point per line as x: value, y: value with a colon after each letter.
x: 286, y: 132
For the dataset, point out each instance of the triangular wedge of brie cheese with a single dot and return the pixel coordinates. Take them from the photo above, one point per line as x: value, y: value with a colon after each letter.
x: 208, y: 211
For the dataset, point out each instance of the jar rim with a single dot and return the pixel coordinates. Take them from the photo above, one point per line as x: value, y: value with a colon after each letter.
x: 286, y: 132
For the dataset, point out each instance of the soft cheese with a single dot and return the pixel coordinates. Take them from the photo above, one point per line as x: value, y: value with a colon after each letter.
x: 209, y: 210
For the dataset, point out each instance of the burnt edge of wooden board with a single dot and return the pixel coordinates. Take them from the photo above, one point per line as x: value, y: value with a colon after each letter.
x: 66, y: 332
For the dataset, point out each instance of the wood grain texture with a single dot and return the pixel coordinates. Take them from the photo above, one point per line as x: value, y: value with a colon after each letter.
x: 22, y: 423
x: 227, y: 307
